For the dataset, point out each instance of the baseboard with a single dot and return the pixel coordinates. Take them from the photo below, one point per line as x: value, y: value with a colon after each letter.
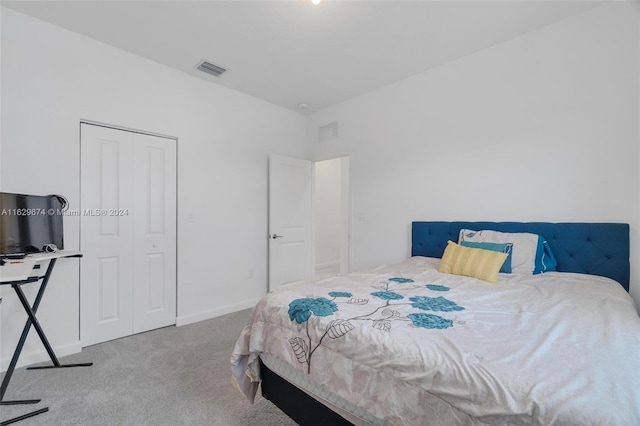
x: 34, y: 357
x: 213, y: 313
x: 328, y: 265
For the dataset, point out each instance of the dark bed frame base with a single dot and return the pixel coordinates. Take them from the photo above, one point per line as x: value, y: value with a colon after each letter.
x: 295, y: 403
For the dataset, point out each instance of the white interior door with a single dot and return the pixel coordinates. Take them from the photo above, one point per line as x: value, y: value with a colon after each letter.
x: 128, y: 233
x: 106, y: 277
x: 154, y: 244
x: 290, y: 221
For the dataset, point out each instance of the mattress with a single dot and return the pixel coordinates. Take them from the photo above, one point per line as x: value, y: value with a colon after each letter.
x: 405, y: 344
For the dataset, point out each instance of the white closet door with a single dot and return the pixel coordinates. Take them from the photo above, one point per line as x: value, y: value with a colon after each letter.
x: 128, y: 233
x: 106, y: 280
x: 154, y: 244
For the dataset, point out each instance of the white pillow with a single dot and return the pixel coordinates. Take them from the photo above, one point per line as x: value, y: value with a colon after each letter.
x: 530, y: 253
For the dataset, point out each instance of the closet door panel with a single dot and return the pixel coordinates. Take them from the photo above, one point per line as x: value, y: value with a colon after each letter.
x: 154, y: 232
x: 106, y: 270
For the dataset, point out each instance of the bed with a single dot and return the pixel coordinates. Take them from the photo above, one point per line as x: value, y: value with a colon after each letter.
x: 405, y: 344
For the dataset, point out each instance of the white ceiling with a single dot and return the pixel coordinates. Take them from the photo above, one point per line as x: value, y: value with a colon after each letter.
x: 287, y: 52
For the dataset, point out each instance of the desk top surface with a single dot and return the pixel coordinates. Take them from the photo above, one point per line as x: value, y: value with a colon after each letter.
x: 55, y: 255
x: 21, y: 269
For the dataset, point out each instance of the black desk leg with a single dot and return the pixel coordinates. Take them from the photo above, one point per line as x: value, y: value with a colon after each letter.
x: 31, y: 320
x: 43, y: 337
x: 12, y: 366
x: 38, y: 328
x: 7, y: 378
x: 24, y: 416
x: 36, y: 324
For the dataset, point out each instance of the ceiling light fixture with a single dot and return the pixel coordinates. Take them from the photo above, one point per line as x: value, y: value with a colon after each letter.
x: 316, y: 2
x: 302, y: 106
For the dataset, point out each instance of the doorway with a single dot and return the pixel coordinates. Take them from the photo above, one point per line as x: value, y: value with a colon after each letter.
x: 309, y: 220
x: 331, y: 218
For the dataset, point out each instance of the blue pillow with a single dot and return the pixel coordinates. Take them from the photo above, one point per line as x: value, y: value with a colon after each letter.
x: 545, y: 260
x: 500, y: 247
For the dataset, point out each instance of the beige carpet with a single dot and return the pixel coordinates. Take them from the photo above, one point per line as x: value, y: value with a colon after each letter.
x: 172, y: 376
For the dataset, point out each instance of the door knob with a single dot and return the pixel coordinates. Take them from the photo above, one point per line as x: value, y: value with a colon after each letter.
x: 274, y: 236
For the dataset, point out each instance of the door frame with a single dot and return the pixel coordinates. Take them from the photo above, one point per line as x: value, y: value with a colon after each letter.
x: 346, y: 219
x: 177, y: 191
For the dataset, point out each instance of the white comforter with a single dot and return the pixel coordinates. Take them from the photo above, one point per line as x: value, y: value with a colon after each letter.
x: 415, y: 347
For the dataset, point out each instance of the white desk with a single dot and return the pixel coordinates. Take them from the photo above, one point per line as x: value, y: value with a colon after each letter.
x: 22, y: 269
x: 16, y: 273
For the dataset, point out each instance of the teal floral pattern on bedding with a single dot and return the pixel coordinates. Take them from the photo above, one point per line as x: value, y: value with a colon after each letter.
x: 301, y: 309
x: 401, y: 280
x: 339, y: 294
x: 434, y: 304
x: 437, y: 287
x: 429, y: 321
x: 387, y: 295
x: 386, y: 300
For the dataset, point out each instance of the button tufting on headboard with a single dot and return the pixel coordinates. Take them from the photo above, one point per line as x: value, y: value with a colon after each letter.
x: 593, y: 248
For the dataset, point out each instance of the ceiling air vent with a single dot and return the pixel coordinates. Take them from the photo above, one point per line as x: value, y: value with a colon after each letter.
x: 210, y: 68
x: 328, y: 132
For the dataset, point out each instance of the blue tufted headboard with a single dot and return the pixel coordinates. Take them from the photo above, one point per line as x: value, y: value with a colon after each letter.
x: 588, y: 248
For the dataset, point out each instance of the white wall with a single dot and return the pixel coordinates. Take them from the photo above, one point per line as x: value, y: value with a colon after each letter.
x: 540, y: 128
x: 52, y: 78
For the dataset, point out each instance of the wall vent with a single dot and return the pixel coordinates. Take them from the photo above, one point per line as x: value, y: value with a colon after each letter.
x: 210, y: 68
x: 328, y: 132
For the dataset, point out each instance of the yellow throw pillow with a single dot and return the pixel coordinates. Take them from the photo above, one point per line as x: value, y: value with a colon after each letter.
x: 472, y: 262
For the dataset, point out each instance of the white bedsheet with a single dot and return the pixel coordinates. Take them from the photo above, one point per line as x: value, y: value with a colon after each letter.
x: 555, y: 348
